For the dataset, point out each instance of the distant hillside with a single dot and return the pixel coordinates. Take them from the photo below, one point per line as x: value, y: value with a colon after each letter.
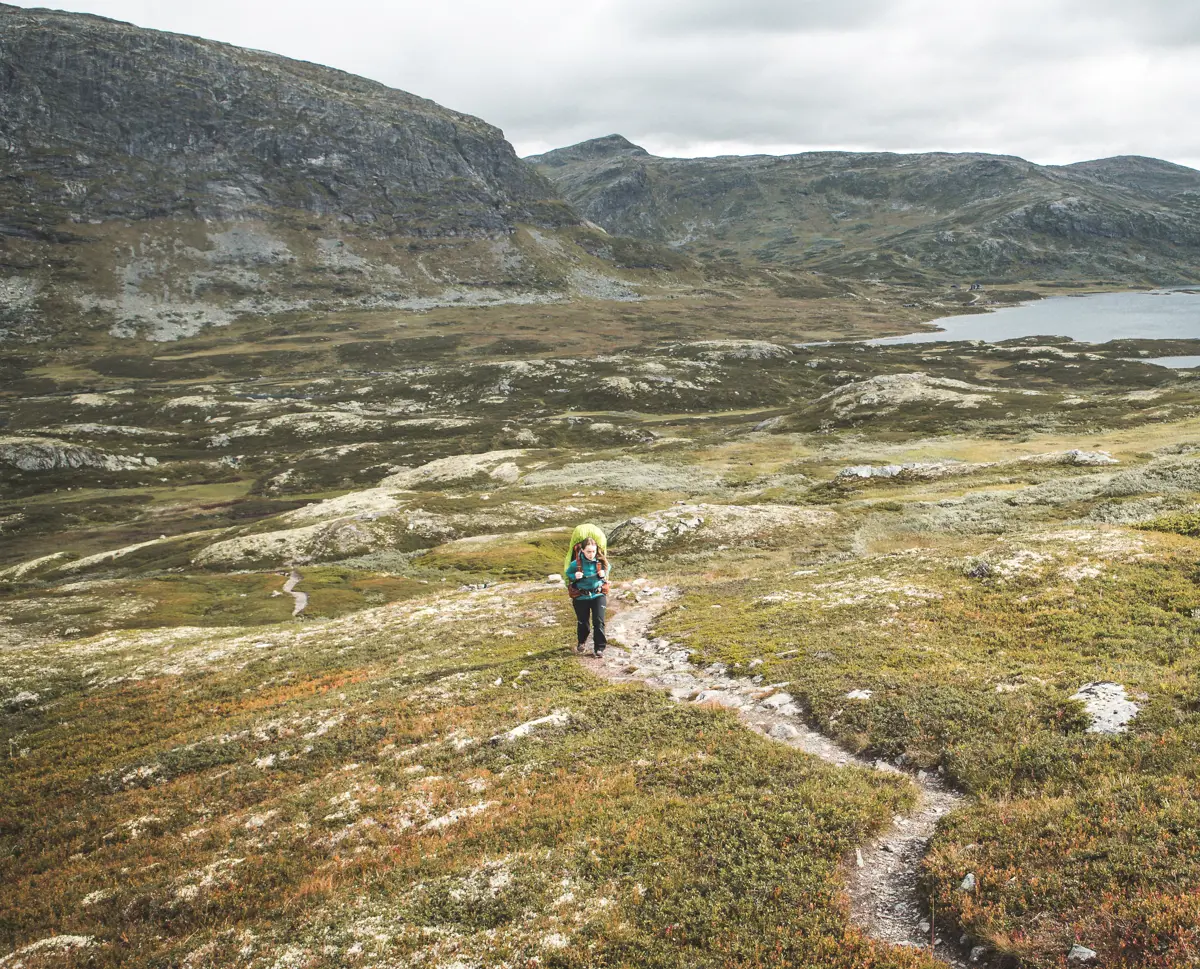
x: 158, y: 183
x: 903, y: 217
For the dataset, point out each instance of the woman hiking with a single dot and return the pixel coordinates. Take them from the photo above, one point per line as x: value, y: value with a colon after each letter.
x: 586, y: 573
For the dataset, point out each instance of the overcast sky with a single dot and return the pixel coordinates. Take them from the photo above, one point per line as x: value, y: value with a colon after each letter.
x: 1050, y: 80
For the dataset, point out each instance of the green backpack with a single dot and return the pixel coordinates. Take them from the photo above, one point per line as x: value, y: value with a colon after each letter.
x: 575, y: 554
x: 581, y: 533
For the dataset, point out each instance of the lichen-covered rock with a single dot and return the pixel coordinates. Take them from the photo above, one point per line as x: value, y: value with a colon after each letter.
x: 1108, y: 705
x: 890, y: 392
x: 912, y: 470
x: 497, y: 466
x: 708, y: 525
x: 43, y: 454
x: 720, y: 350
x: 322, y: 541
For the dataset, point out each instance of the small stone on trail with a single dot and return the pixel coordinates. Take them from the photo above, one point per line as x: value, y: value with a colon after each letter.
x: 859, y: 695
x: 923, y: 927
x: 968, y: 883
x: 555, y: 579
x: 978, y: 953
x: 858, y: 856
x: 784, y: 731
x: 776, y: 700
x: 1081, y: 954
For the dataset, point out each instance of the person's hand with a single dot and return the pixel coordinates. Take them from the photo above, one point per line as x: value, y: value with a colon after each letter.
x: 579, y: 575
x: 602, y: 573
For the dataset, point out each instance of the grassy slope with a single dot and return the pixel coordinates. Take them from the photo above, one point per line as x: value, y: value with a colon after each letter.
x: 273, y: 792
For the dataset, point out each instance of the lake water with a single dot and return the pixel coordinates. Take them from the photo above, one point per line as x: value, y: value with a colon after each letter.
x: 1160, y: 315
x: 1175, y: 363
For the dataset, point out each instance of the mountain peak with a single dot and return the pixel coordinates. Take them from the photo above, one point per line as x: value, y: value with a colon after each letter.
x: 608, y: 146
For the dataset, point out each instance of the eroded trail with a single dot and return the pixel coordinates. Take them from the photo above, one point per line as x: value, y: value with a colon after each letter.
x: 882, y: 879
x: 301, y: 598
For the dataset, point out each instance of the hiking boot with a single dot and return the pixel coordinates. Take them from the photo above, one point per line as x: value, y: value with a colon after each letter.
x: 598, y: 653
x: 581, y: 647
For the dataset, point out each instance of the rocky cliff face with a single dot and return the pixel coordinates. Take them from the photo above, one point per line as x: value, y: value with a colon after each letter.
x: 898, y: 216
x: 103, y: 120
x: 153, y: 185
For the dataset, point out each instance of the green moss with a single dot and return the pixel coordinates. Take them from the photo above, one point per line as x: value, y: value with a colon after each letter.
x: 1184, y: 523
x: 521, y: 557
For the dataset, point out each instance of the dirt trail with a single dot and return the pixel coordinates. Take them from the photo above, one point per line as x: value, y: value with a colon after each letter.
x: 301, y: 597
x: 882, y: 879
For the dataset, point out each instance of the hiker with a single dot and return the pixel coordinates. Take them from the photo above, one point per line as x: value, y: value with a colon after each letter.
x: 586, y: 573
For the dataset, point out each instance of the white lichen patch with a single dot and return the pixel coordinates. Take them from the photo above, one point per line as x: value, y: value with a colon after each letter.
x: 25, y: 568
x: 457, y: 815
x: 57, y: 944
x: 628, y: 474
x: 856, y: 591
x: 318, y: 425
x: 101, y: 558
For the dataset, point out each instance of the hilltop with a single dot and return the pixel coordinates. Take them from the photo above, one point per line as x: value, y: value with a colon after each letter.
x: 154, y: 184
x: 916, y: 218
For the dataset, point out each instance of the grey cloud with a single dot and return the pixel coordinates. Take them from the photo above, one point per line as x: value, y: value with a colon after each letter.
x: 751, y: 16
x: 1052, y: 80
x: 1167, y: 23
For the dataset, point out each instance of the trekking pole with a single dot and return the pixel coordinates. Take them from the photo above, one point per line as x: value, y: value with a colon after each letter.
x: 932, y: 923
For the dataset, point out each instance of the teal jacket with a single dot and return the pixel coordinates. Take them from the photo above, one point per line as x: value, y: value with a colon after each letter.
x: 590, y: 584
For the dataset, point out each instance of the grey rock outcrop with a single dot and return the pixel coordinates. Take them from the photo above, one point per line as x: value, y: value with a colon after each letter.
x: 40, y: 454
x: 1081, y: 955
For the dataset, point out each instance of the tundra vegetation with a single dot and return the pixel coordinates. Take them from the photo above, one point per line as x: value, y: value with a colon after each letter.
x: 932, y: 548
x: 294, y: 425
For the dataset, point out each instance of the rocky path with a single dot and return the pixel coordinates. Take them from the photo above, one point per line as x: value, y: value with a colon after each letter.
x: 301, y: 597
x: 882, y: 878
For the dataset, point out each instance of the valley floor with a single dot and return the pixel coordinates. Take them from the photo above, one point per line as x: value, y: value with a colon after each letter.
x: 912, y: 566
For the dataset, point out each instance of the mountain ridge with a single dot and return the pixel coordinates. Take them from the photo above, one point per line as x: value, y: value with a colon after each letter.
x: 911, y: 217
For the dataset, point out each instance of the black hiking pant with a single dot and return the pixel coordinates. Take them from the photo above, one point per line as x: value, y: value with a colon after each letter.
x: 590, y: 612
